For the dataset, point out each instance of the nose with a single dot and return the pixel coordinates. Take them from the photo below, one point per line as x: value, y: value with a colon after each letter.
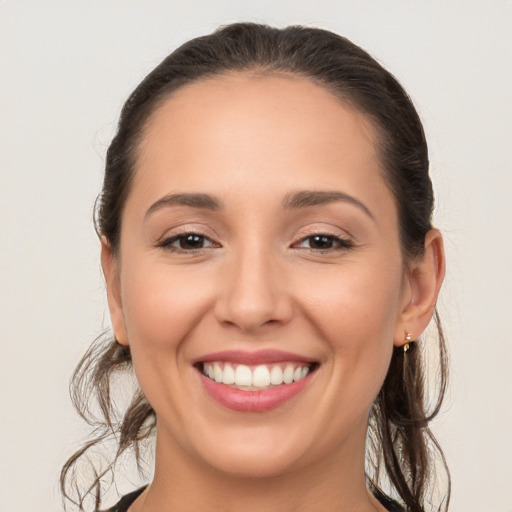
x: 253, y: 294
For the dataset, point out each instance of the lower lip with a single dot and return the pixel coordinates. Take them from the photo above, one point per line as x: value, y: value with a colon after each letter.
x: 253, y: 401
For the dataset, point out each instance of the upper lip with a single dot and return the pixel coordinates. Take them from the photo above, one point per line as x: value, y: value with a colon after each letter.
x: 267, y: 356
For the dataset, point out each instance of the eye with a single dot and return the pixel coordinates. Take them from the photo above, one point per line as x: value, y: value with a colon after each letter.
x: 187, y: 242
x: 323, y: 242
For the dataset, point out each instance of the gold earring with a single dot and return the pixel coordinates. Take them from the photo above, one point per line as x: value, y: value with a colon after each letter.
x: 408, y: 341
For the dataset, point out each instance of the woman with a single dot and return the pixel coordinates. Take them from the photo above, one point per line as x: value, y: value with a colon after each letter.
x: 265, y: 224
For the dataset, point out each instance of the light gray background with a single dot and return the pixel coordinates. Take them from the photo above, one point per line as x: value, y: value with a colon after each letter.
x: 65, y: 69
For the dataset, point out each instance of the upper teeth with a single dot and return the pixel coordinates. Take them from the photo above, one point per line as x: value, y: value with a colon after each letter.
x: 260, y: 376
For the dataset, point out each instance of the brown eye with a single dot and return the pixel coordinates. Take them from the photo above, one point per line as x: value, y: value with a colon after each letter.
x: 187, y: 242
x: 323, y: 242
x: 191, y: 241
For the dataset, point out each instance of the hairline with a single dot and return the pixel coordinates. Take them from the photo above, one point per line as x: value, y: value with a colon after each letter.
x: 377, y: 136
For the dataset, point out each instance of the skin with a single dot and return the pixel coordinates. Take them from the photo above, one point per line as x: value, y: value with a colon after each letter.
x: 259, y: 282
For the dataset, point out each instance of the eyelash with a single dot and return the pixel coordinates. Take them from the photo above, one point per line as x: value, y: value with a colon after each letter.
x: 180, y: 237
x: 336, y: 243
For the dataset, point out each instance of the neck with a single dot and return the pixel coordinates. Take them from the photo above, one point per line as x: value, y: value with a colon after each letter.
x: 335, y: 483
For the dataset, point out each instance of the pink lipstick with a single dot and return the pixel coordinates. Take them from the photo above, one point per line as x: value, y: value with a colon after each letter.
x: 254, y: 381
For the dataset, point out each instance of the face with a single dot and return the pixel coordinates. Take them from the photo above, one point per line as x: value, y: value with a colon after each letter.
x: 259, y: 282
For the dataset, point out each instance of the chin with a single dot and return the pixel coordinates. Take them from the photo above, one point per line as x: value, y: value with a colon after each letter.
x: 257, y: 463
x: 264, y: 451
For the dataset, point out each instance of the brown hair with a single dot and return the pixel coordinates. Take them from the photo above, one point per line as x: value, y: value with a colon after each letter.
x: 401, y: 448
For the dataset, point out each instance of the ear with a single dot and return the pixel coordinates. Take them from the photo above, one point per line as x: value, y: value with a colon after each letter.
x: 423, y: 282
x: 115, y: 306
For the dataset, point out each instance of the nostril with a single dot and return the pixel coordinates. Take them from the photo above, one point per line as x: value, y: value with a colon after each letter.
x: 252, y: 317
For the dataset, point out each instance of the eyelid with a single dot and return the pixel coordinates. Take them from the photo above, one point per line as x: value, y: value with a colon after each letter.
x: 324, y: 229
x: 342, y: 243
x: 172, y: 235
x: 169, y: 239
x: 185, y: 228
x: 345, y: 241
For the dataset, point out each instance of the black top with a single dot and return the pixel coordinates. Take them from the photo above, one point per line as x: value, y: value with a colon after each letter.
x: 126, y: 501
x: 123, y: 504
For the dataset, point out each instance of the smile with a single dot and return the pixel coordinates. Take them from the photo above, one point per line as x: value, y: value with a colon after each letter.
x: 251, y: 378
x: 254, y: 382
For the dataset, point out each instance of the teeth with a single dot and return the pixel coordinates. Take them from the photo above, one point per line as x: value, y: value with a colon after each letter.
x: 288, y: 374
x: 243, y: 375
x: 217, y: 372
x: 261, y: 376
x: 276, y: 375
x: 228, y: 375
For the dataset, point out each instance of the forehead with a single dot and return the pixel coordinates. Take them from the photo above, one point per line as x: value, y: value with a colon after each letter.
x: 257, y: 132
x: 255, y: 100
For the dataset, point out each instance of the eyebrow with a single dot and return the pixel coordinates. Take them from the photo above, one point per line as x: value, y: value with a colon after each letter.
x: 194, y: 200
x: 307, y: 198
x: 301, y: 199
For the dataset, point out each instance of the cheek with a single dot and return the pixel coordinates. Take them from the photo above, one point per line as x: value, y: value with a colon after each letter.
x: 162, y: 304
x: 355, y: 312
x: 358, y: 303
x: 163, y: 307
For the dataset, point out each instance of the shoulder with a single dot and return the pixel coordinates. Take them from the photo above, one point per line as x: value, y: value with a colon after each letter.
x: 124, y: 503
